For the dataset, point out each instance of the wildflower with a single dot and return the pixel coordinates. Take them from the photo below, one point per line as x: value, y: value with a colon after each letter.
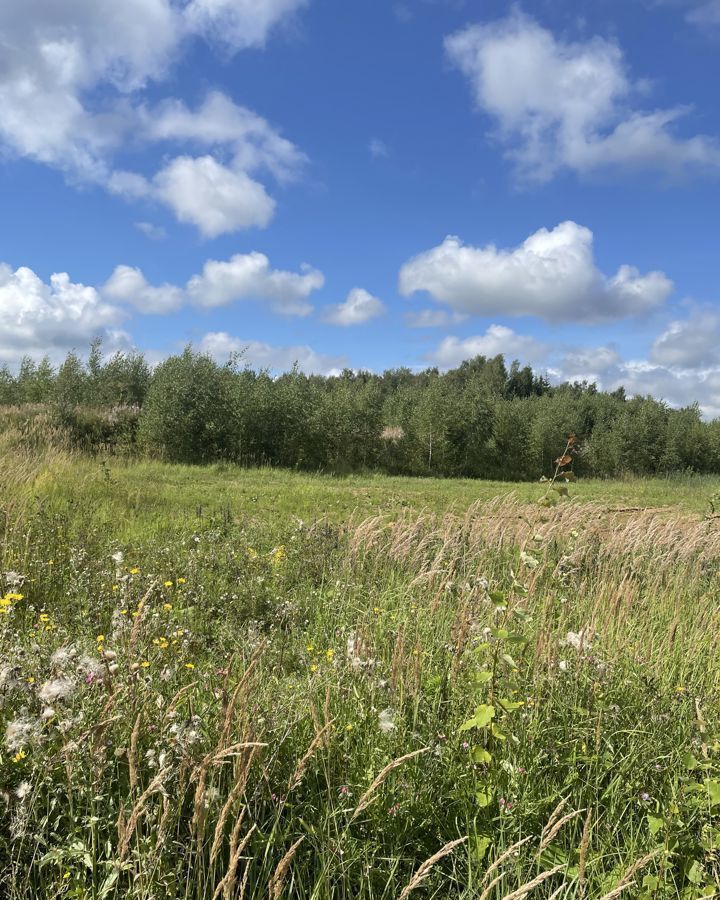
x: 278, y: 555
x: 30, y: 680
x: 145, y: 664
x: 23, y: 789
x: 181, y: 581
x: 385, y: 721
x: 167, y: 606
x: 377, y: 610
x: 348, y: 727
x: 44, y: 617
x: 115, y: 587
x: 20, y: 732
x: 189, y: 665
x: 13, y: 597
x: 310, y: 648
x: 134, y: 570
x: 313, y: 668
x: 167, y: 584
x: 56, y: 689
x: 329, y: 654
x: 63, y: 657
x: 577, y: 640
x: 19, y: 756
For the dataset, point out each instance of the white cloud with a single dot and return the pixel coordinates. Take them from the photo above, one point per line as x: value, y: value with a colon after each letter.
x: 498, y: 339
x: 378, y: 149
x: 154, y: 232
x: 690, y: 344
x: 38, y: 317
x: 433, y: 318
x: 203, y: 192
x: 570, y: 105
x: 705, y: 14
x: 245, y: 276
x: 249, y: 275
x: 71, y: 79
x: 552, y: 275
x: 359, y: 307
x: 127, y: 285
x: 239, y: 23
x: 260, y: 355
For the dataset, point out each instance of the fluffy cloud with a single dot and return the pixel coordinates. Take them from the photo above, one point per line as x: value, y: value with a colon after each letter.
x: 569, y: 105
x: 216, y: 199
x: 498, y: 339
x: 690, y: 344
x: 266, y: 356
x: 245, y: 276
x: 552, y: 275
x: 359, y: 307
x: 38, y: 317
x: 69, y: 87
x: 127, y: 285
x: 250, y: 276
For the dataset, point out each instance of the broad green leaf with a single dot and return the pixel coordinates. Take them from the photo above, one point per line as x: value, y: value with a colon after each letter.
x: 713, y: 789
x: 655, y: 823
x: 481, y: 755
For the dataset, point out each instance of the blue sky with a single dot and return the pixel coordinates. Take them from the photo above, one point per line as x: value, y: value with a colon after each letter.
x: 367, y: 183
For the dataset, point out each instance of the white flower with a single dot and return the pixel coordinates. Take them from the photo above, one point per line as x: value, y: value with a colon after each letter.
x: 576, y: 640
x: 385, y: 721
x: 13, y: 579
x: 63, y: 657
x: 20, y: 732
x: 118, y: 557
x: 56, y: 689
x: 23, y: 789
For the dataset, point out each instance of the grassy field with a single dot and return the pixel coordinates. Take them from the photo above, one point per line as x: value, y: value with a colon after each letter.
x: 217, y: 683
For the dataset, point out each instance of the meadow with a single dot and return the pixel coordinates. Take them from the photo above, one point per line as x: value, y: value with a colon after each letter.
x: 221, y: 683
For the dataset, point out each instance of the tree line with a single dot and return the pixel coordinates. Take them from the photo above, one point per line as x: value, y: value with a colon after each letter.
x: 480, y: 420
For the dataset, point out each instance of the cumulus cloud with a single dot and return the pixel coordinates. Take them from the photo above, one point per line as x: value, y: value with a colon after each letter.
x: 551, y: 275
x: 249, y: 276
x: 215, y: 198
x: 127, y: 285
x: 690, y: 344
x: 260, y: 355
x: 70, y: 87
x: 570, y: 105
x: 498, y: 339
x: 245, y: 276
x: 358, y: 307
x: 38, y: 317
x: 154, y: 232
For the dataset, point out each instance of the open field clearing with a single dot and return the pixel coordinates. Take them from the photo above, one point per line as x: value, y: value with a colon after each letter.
x: 223, y: 683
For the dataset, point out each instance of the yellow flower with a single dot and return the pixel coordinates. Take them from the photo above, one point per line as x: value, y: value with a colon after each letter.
x: 20, y: 755
x: 44, y: 617
x: 348, y: 728
x: 115, y: 587
x: 168, y: 584
x: 680, y: 689
x: 313, y: 668
x: 181, y: 581
x: 134, y: 570
x: 278, y: 555
x: 167, y: 606
x: 123, y: 612
x: 329, y: 654
x: 377, y: 610
x: 30, y: 680
x: 11, y: 596
x: 100, y: 638
x: 51, y: 562
x: 189, y: 665
x: 145, y: 664
x: 310, y: 648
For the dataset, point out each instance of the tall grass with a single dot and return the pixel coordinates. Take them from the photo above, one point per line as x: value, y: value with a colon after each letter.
x: 513, y: 701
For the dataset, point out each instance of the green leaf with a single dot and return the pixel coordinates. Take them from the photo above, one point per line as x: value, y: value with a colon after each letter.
x: 510, y: 705
x: 482, y: 718
x: 482, y: 845
x: 484, y: 797
x: 481, y: 677
x: 481, y: 755
x: 713, y: 789
x: 655, y: 823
